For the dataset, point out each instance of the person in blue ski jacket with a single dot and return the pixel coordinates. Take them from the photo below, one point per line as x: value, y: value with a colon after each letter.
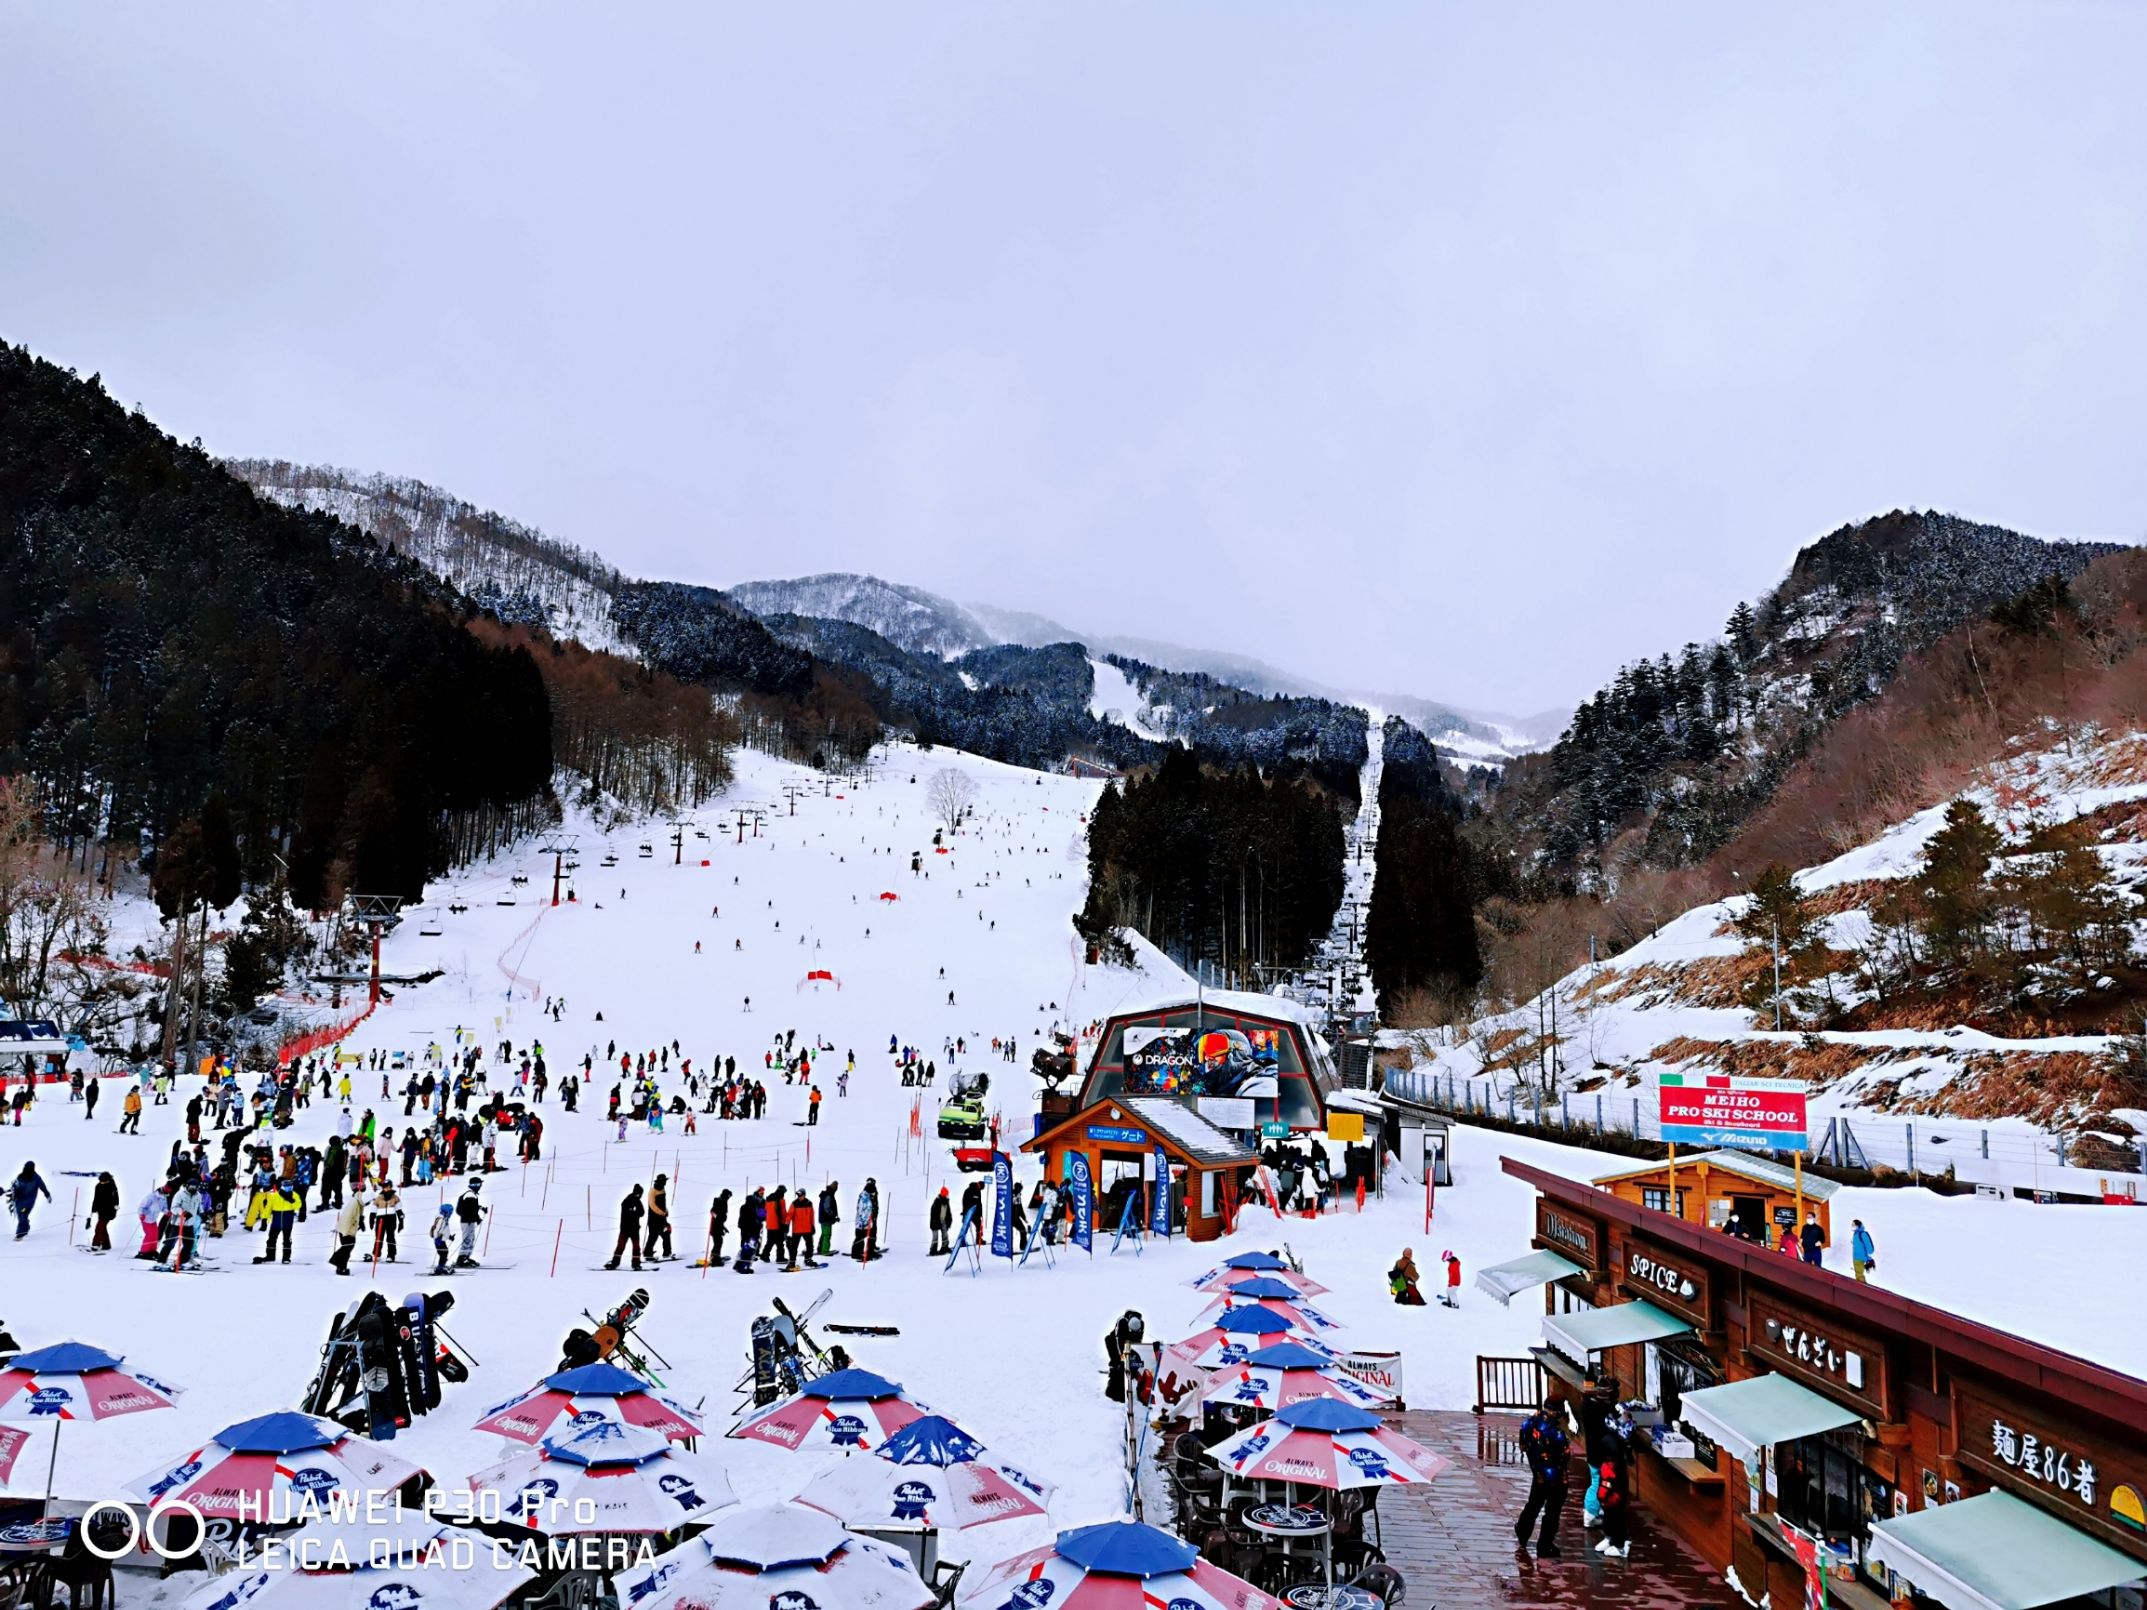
x: 1544, y: 1441
x: 22, y: 1195
x: 1863, y: 1255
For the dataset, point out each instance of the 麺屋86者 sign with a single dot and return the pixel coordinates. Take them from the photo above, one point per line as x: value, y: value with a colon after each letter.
x: 2077, y: 1473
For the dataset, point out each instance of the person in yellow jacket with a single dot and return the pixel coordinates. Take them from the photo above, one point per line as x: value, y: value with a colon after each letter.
x: 346, y: 1231
x: 281, y: 1203
x: 130, y: 1113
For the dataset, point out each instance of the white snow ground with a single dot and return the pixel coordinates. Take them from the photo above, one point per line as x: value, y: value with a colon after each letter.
x: 1013, y: 1354
x: 1115, y: 698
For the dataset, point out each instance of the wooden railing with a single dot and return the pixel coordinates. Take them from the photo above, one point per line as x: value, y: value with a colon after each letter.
x: 1508, y: 1383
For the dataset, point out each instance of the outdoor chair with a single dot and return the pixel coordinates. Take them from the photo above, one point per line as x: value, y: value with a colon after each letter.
x: 946, y: 1578
x: 1382, y: 1579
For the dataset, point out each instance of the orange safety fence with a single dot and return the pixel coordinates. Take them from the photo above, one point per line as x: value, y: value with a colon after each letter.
x: 312, y: 1040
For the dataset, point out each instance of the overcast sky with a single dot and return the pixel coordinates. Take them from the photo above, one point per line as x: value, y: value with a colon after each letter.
x: 1466, y: 351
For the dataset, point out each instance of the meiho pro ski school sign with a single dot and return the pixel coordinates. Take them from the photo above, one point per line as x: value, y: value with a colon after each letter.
x: 1717, y: 1109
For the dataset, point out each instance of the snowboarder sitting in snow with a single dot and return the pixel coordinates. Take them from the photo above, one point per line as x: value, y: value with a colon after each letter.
x: 1402, y: 1280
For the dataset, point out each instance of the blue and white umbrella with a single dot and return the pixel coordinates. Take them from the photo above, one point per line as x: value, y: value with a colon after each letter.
x: 1234, y: 1336
x: 776, y: 1557
x: 929, y: 1474
x: 605, y: 1478
x: 1284, y: 1374
x: 1255, y: 1265
x: 406, y: 1560
x: 844, y: 1410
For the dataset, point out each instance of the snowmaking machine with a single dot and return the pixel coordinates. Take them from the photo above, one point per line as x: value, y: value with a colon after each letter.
x: 962, y: 1115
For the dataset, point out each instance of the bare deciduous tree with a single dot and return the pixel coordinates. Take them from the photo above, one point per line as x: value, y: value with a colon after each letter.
x: 951, y: 793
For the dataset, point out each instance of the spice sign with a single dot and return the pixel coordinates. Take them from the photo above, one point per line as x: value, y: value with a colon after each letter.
x: 1662, y: 1276
x: 1717, y: 1110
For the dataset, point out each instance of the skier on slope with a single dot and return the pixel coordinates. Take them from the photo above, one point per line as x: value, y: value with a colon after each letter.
x: 469, y: 1213
x: 443, y: 1237
x: 630, y: 1215
x: 659, y: 1226
x: 941, y: 1222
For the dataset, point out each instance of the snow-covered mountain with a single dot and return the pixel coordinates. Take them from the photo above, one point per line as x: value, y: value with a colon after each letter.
x: 908, y: 617
x: 514, y: 570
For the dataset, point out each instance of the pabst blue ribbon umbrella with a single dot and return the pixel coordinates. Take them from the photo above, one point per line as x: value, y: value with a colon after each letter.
x: 1256, y: 1265
x: 276, y: 1469
x: 605, y: 1478
x: 1323, y: 1443
x: 844, y: 1409
x: 1273, y: 1296
x: 575, y: 1398
x: 929, y: 1474
x: 405, y: 1560
x: 1275, y: 1377
x: 776, y: 1557
x: 1119, y: 1565
x: 1235, y: 1336
x: 73, y: 1381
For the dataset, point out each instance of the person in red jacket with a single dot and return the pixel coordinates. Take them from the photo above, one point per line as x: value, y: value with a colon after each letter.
x: 1451, y: 1296
x: 801, y: 1231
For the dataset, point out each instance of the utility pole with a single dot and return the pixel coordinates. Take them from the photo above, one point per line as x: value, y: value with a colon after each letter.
x: 678, y: 841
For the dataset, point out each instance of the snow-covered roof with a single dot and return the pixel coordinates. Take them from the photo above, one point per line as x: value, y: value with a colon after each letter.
x: 1193, y: 1134
x: 1223, y: 1000
x: 1757, y: 1169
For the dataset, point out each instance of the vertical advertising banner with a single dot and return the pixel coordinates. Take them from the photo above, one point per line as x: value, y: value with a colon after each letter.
x: 1159, y: 1210
x: 1002, y: 1221
x: 1084, y: 1200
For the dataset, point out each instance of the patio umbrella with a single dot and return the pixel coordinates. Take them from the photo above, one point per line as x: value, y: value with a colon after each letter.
x: 1290, y: 1306
x: 605, y: 1478
x: 1275, y: 1377
x: 931, y: 1473
x: 1263, y: 1264
x: 776, y: 1557
x: 843, y: 1409
x: 72, y: 1381
x: 333, y: 1569
x: 1327, y: 1444
x: 1119, y: 1565
x: 274, y: 1470
x: 1235, y: 1336
x: 576, y: 1398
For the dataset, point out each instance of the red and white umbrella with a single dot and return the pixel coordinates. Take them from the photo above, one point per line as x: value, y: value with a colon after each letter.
x: 1234, y: 1336
x: 69, y: 1381
x: 1275, y: 1377
x: 274, y: 1470
x: 565, y: 1402
x: 776, y: 1557
x: 1327, y: 1444
x: 1295, y: 1310
x: 844, y: 1409
x: 1119, y: 1565
x: 1256, y: 1266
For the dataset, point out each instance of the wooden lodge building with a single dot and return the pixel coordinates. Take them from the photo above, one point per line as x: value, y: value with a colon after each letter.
x: 1802, y: 1421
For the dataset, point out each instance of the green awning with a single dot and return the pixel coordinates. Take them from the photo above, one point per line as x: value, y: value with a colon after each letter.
x: 1595, y: 1329
x: 1998, y: 1552
x: 1748, y: 1415
x: 1505, y: 1281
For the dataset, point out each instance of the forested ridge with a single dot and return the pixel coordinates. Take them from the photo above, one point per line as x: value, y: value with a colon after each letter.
x: 168, y: 638
x: 1215, y: 866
